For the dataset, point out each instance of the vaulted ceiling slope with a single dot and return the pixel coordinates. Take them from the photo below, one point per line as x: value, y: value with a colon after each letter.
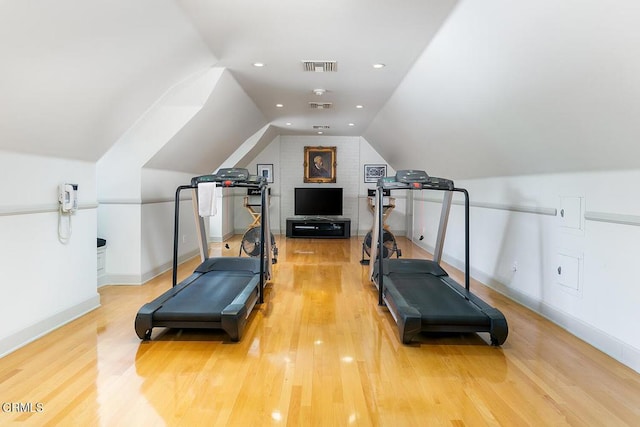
x: 353, y: 35
x: 227, y: 119
x: 511, y: 88
x: 77, y: 74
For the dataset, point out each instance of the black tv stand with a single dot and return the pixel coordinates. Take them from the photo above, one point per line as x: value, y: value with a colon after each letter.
x: 319, y: 228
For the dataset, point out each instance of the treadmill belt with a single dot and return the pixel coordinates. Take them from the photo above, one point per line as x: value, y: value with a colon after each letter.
x: 436, y: 301
x: 204, y: 299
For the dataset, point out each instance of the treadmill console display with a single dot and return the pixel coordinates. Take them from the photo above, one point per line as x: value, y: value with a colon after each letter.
x: 415, y: 180
x: 256, y: 179
x: 233, y: 174
x: 439, y: 184
x: 230, y: 177
x: 411, y: 175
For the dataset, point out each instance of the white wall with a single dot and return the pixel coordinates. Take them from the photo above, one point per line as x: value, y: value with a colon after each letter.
x: 292, y: 172
x: 157, y: 230
x: 270, y: 155
x: 119, y: 224
x: 516, y: 224
x: 140, y: 233
x: 286, y: 153
x: 157, y: 221
x: 49, y: 282
x: 72, y: 85
x: 396, y: 220
x: 136, y: 182
x: 131, y: 196
x: 230, y: 207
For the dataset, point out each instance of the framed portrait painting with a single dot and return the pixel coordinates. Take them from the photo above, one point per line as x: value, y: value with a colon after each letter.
x: 320, y: 164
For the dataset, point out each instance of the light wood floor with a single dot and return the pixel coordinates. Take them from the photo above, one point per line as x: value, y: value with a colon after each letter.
x: 319, y: 351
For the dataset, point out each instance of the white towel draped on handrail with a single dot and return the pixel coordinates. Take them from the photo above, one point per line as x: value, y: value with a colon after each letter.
x: 207, y: 197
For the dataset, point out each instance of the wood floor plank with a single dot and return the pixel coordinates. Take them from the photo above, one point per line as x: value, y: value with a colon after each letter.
x: 318, y: 352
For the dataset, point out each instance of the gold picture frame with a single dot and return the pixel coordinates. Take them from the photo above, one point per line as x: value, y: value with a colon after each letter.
x: 320, y: 164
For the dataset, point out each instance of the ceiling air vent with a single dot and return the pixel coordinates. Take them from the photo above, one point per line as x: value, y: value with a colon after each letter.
x: 320, y: 127
x: 320, y: 66
x: 320, y: 105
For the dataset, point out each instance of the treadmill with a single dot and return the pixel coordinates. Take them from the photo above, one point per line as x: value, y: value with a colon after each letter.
x: 222, y: 291
x: 419, y: 294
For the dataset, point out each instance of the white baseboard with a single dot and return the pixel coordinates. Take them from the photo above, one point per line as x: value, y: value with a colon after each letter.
x: 274, y: 231
x: 134, y: 279
x: 102, y: 280
x: 31, y: 333
x: 167, y: 266
x: 216, y: 239
x: 599, y: 339
x: 121, y: 279
x: 608, y: 344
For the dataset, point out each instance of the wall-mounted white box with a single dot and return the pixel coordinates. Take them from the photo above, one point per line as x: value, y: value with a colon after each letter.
x: 568, y: 272
x: 571, y: 212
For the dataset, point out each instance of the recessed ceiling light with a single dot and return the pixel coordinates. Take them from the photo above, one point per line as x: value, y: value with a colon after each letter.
x: 379, y: 65
x: 288, y: 123
x: 320, y: 132
x: 359, y: 106
x: 279, y: 105
x: 352, y: 124
x: 258, y: 64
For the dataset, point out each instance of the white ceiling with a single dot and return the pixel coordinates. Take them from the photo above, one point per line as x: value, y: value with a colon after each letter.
x: 283, y: 33
x: 470, y: 88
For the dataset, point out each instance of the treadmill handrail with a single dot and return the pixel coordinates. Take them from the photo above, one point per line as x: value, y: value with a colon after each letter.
x: 431, y: 183
x: 228, y: 178
x: 176, y: 225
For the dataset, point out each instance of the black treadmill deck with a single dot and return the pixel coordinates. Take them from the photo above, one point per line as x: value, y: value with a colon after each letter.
x: 204, y: 299
x: 436, y: 302
x: 220, y: 294
x: 423, y: 298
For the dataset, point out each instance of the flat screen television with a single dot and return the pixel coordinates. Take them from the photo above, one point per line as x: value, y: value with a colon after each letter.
x: 312, y: 201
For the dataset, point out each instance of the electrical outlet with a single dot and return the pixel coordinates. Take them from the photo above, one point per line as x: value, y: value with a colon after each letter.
x: 184, y: 238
